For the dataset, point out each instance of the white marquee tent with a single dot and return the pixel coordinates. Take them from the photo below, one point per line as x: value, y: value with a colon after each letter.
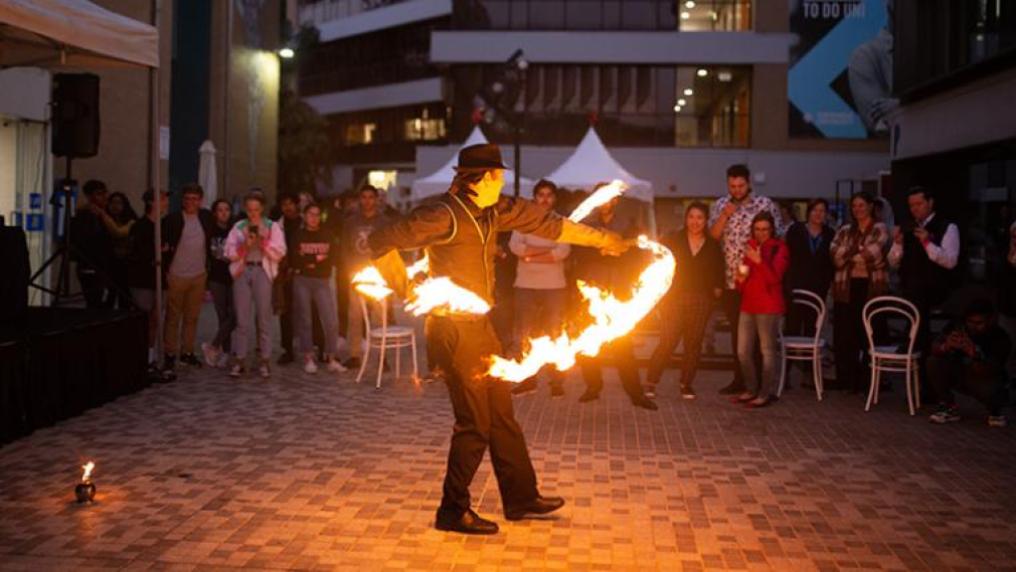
x: 592, y: 163
x: 439, y: 181
x: 73, y: 35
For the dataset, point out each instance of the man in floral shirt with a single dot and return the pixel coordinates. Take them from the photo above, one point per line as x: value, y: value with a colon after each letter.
x: 730, y: 222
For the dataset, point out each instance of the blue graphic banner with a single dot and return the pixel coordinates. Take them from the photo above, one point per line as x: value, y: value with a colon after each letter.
x: 841, y: 68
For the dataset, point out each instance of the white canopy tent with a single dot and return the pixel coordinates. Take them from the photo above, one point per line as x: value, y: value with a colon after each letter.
x: 207, y: 173
x: 439, y: 181
x: 73, y: 33
x: 591, y: 163
x: 77, y: 34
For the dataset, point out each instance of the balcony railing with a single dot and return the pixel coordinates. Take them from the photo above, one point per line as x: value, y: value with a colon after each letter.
x: 321, y: 11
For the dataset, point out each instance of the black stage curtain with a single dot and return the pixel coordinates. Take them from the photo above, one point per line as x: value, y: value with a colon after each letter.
x: 67, y: 361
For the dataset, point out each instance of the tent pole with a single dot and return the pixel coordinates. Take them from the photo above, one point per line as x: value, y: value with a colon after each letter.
x: 157, y: 197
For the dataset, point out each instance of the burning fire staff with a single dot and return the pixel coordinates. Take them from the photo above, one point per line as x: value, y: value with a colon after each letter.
x: 459, y: 233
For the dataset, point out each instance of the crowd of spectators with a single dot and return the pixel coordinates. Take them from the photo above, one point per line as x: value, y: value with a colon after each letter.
x: 740, y: 258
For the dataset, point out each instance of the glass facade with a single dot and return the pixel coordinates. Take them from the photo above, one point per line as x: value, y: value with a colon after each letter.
x: 936, y: 39
x: 387, y: 135
x: 691, y: 106
x: 387, y: 56
x: 644, y: 15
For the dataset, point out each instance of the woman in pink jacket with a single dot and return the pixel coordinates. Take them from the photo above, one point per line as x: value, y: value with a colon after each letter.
x: 254, y: 247
x: 760, y: 280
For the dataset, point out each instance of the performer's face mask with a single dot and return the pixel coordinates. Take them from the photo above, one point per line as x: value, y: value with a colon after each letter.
x: 488, y: 189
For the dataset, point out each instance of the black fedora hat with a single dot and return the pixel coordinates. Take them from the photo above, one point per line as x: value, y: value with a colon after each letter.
x: 482, y: 157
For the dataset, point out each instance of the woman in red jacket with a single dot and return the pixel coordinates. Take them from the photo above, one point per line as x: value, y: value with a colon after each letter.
x: 760, y: 280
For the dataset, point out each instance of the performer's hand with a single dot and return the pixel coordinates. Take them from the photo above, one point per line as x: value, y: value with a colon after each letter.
x: 614, y: 244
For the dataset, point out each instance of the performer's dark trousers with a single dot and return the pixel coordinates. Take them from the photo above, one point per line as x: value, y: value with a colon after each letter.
x: 484, y: 416
x: 623, y: 353
x: 681, y: 318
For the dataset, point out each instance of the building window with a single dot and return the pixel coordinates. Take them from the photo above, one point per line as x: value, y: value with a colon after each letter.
x: 635, y: 105
x: 684, y: 15
x: 360, y: 133
x: 383, y: 180
x: 424, y: 128
x: 711, y: 106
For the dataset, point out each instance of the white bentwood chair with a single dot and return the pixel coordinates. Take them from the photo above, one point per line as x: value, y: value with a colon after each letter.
x: 805, y: 348
x: 386, y: 338
x: 889, y: 358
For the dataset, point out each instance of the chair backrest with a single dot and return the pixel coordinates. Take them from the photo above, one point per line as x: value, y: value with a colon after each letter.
x: 815, y: 302
x: 891, y: 305
x: 365, y: 307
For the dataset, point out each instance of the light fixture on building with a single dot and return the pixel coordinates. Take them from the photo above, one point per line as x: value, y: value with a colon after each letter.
x: 725, y: 76
x: 689, y: 91
x: 702, y: 72
x: 714, y: 15
x: 287, y: 53
x: 681, y: 102
x: 677, y: 109
x: 689, y: 4
x: 685, y: 15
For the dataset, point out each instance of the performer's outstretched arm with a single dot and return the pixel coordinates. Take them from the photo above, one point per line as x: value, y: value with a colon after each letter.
x: 525, y: 216
x: 425, y: 225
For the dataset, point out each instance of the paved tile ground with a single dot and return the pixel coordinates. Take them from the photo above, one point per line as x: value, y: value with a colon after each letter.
x: 316, y: 472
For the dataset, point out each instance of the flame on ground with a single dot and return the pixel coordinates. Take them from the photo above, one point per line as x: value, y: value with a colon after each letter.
x: 612, y: 319
x: 602, y: 196
x: 88, y: 468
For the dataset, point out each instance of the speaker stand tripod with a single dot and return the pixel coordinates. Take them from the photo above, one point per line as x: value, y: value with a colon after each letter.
x: 62, y: 293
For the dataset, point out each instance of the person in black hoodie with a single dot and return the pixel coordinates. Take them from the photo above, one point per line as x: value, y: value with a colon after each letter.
x: 685, y: 310
x: 312, y: 261
x: 94, y: 245
x: 141, y: 268
x: 220, y: 284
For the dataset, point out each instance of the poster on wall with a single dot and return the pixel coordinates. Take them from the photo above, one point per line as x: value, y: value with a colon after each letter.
x: 841, y: 66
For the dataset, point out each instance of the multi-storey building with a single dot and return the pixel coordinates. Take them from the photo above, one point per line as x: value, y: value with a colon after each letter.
x: 677, y: 90
x: 955, y: 130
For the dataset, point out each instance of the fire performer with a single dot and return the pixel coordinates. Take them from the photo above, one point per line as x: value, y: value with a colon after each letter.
x: 459, y: 233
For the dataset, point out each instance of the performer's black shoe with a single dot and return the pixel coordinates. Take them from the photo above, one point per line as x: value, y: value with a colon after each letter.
x: 468, y: 523
x: 539, y: 505
x: 589, y: 396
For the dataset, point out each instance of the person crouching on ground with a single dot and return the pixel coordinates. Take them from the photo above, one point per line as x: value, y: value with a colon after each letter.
x: 970, y: 356
x: 254, y: 247
x: 760, y: 281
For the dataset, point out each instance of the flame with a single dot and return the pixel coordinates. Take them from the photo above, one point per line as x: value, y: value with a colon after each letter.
x: 421, y: 266
x: 370, y: 283
x: 88, y: 468
x: 441, y: 292
x: 612, y: 319
x: 602, y: 196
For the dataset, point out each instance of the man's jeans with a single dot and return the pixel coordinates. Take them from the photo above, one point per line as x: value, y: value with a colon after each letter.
x: 316, y: 291
x: 764, y: 328
x: 183, y: 303
x: 254, y: 284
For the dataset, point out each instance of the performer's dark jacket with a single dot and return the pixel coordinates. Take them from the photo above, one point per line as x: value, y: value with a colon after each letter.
x: 461, y: 238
